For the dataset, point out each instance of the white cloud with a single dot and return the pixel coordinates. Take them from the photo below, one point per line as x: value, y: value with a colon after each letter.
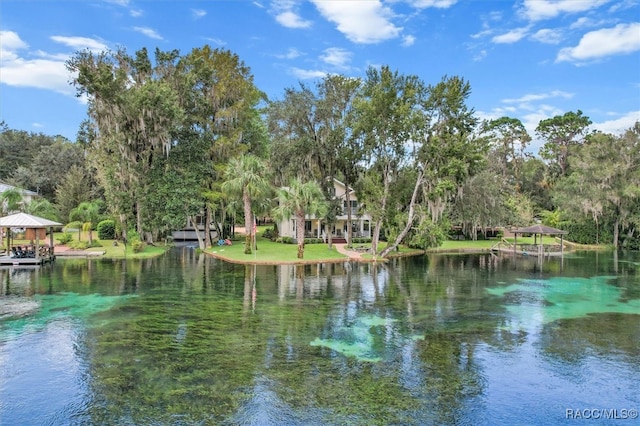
x: 39, y: 73
x: 511, y: 37
x: 365, y: 22
x: 621, y: 39
x: 81, y: 43
x: 136, y: 13
x: 307, y: 74
x: 336, y: 56
x: 291, y: 54
x: 217, y: 41
x: 198, y: 13
x: 480, y: 55
x: 547, y: 36
x: 287, y: 15
x: 538, y: 97
x: 536, y: 10
x: 40, y: 69
x: 148, y: 32
x: 118, y: 2
x: 408, y: 40
x: 586, y: 22
x: 618, y: 125
x: 439, y: 4
x: 290, y: 19
x: 10, y: 42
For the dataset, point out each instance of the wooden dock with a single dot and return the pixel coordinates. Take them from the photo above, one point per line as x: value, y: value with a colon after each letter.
x: 25, y: 261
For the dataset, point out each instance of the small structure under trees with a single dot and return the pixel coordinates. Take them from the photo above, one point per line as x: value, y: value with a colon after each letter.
x: 35, y: 229
x: 538, y: 248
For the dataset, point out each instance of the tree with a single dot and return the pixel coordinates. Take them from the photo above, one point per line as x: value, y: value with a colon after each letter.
x: 18, y: 148
x: 605, y: 181
x: 220, y: 99
x: 134, y: 110
x: 247, y: 177
x: 384, y: 118
x: 11, y: 201
x: 86, y: 212
x: 43, y: 208
x: 561, y: 134
x: 300, y: 199
x: 74, y: 188
x: 508, y: 139
x: 48, y: 167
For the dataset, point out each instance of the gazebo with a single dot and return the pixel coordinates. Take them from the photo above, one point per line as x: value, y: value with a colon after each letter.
x: 541, y: 230
x: 36, y: 229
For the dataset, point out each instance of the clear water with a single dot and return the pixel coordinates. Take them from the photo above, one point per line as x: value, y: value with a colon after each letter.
x: 185, y: 339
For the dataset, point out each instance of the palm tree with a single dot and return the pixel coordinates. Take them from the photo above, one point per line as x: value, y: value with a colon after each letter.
x: 247, y: 176
x: 43, y: 208
x: 10, y: 201
x: 87, y: 212
x: 299, y: 200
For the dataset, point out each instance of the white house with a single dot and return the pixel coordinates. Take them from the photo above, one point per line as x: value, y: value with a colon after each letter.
x: 27, y: 196
x: 314, y: 228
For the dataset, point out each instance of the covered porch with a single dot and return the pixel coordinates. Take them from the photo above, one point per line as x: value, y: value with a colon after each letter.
x: 314, y: 228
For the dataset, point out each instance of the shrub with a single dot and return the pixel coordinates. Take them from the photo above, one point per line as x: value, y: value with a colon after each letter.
x: 137, y: 245
x: 284, y: 240
x: 361, y: 240
x: 270, y: 233
x: 65, y: 238
x: 79, y: 245
x: 107, y: 230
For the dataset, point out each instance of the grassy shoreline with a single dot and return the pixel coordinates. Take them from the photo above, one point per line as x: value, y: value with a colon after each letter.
x: 272, y: 253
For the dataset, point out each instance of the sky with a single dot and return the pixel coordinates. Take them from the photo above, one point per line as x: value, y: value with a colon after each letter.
x: 525, y: 59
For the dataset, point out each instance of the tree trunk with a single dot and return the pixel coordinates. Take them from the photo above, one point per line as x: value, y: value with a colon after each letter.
x: 207, y: 227
x: 616, y: 232
x: 248, y: 228
x: 197, y: 231
x: 378, y: 222
x: 347, y: 199
x: 139, y: 219
x: 300, y: 232
x: 410, y: 218
x: 123, y: 224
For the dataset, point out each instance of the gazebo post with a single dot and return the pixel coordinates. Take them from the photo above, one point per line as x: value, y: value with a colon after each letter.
x: 37, y: 247
x: 515, y: 242
x: 540, y: 247
x: 50, y: 241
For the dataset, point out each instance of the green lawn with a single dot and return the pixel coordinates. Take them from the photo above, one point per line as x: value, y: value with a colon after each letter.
x: 107, y: 246
x: 487, y: 244
x: 271, y: 252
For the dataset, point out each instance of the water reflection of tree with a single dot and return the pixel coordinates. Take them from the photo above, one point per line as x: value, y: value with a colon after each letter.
x: 573, y: 340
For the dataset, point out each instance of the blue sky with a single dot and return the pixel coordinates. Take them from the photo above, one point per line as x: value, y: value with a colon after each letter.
x: 527, y: 59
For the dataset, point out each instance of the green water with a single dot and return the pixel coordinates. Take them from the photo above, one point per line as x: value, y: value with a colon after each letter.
x: 450, y: 339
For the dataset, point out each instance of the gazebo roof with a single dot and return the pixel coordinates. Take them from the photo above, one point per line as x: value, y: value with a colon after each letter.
x: 24, y: 220
x: 539, y: 229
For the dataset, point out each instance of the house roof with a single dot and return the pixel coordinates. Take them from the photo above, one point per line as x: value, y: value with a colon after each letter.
x: 24, y: 220
x: 539, y: 229
x: 5, y: 187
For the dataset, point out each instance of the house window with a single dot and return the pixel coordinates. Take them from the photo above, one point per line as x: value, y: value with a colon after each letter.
x: 307, y: 226
x: 354, y: 206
